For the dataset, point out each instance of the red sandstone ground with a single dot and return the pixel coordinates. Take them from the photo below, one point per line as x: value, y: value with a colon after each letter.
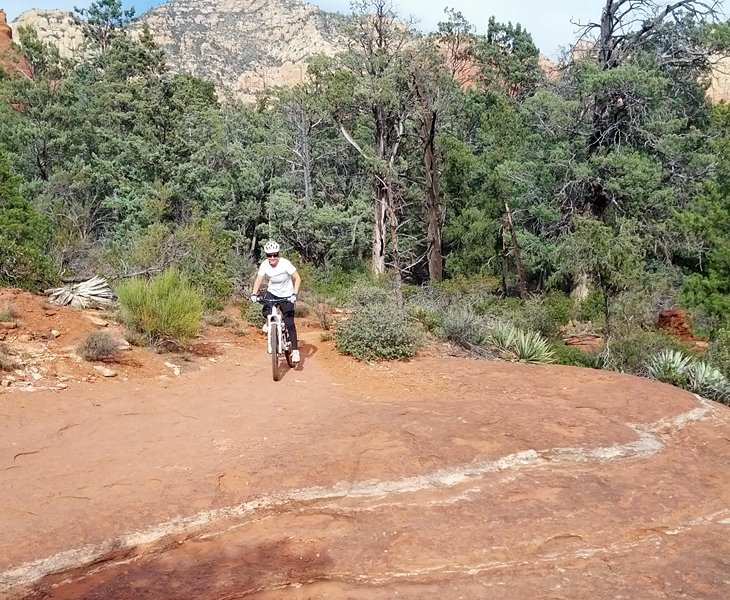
x: 441, y: 477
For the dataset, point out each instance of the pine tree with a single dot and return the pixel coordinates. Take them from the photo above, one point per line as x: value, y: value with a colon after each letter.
x: 23, y: 236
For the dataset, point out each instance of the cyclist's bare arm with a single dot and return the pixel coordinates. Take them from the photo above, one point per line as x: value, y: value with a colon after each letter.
x: 256, y: 285
x: 297, y: 281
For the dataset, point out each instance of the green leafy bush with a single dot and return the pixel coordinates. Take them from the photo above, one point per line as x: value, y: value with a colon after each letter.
x: 24, y: 236
x: 592, y: 308
x: 429, y: 318
x: 570, y: 355
x: 98, y: 345
x: 377, y: 332
x: 251, y: 313
x: 629, y: 352
x: 332, y: 284
x: 718, y: 353
x: 462, y: 326
x: 367, y: 294
x: 547, y: 314
x: 165, y: 308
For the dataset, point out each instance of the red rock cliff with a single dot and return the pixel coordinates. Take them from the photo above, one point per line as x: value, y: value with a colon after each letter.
x: 9, y: 59
x: 6, y: 34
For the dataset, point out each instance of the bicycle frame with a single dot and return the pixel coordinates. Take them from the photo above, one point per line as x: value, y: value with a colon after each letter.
x: 282, y: 341
x: 277, y: 337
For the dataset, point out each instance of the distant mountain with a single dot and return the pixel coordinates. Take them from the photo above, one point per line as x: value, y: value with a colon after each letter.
x: 243, y: 46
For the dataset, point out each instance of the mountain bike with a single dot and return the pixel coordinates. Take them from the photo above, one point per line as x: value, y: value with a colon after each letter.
x: 278, y: 343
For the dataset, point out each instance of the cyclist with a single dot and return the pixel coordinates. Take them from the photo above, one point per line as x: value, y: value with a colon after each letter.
x: 283, y: 288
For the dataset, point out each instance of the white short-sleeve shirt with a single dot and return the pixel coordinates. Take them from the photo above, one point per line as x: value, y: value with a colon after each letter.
x: 280, y: 281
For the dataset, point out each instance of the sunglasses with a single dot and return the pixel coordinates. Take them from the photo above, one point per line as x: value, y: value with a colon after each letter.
x: 276, y: 255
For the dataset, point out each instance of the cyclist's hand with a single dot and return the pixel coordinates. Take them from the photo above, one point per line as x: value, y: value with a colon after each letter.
x: 293, y: 298
x: 253, y: 298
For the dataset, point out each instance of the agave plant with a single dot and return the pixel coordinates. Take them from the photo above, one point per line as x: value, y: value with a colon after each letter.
x: 669, y: 366
x: 531, y: 347
x: 502, y: 335
x: 525, y: 346
x: 708, y: 381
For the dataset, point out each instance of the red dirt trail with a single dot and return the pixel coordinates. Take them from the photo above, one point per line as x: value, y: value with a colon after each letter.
x: 442, y: 477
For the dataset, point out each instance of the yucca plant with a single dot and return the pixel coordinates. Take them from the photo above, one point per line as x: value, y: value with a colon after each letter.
x: 709, y: 382
x: 525, y: 346
x: 669, y: 366
x: 531, y: 347
x: 502, y: 335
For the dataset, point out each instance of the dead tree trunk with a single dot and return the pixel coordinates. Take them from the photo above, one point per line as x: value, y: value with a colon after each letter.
x: 521, y: 277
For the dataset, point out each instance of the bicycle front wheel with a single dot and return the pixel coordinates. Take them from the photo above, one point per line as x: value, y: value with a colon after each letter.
x: 274, y: 345
x: 287, y: 348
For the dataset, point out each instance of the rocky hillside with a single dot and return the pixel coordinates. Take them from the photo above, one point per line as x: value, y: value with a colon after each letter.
x: 242, y: 46
x: 9, y: 59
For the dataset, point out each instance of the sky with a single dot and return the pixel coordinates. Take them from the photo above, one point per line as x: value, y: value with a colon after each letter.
x: 551, y: 23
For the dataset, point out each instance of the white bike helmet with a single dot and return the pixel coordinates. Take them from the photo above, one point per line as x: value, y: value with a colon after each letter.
x: 271, y: 247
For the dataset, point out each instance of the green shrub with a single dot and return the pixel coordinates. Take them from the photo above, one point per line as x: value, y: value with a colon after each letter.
x: 462, y: 326
x: 718, y: 354
x: 98, y: 345
x: 165, y: 308
x: 251, y: 313
x: 377, y: 332
x: 332, y: 284
x: 570, y: 355
x: 629, y: 352
x: 24, y: 236
x: 367, y: 294
x: 593, y: 308
x: 546, y: 314
x: 504, y: 309
x: 429, y: 318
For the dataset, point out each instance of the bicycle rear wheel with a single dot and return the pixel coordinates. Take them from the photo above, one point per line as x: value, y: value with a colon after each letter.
x: 274, y: 343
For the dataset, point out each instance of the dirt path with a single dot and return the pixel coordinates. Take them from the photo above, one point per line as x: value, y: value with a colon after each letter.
x: 438, y: 478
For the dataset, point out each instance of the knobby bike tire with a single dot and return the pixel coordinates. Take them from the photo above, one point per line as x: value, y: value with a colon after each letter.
x: 274, y: 333
x: 287, y: 349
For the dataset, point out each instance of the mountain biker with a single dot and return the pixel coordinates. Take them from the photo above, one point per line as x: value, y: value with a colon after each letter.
x: 283, y: 288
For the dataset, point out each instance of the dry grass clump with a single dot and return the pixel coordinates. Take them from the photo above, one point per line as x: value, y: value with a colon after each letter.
x: 7, y: 361
x: 8, y: 313
x: 98, y: 345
